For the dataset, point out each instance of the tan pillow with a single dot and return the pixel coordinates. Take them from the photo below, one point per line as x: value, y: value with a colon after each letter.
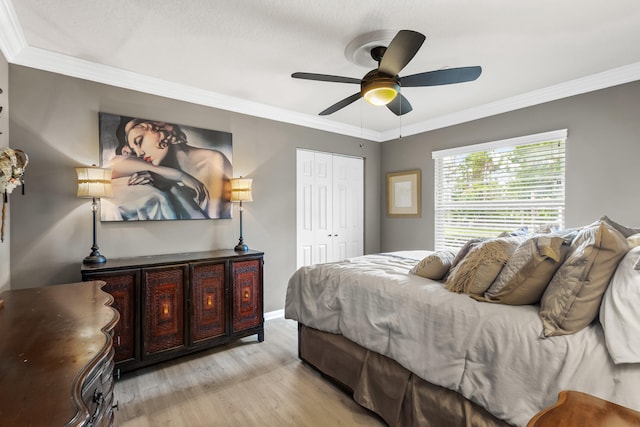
x: 435, y: 265
x: 572, y: 299
x: 623, y: 229
x: 479, y: 268
x: 528, y: 272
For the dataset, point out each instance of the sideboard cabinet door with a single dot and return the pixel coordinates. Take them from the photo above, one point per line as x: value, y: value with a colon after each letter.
x: 164, y: 308
x: 247, y: 295
x: 123, y: 286
x: 208, y: 312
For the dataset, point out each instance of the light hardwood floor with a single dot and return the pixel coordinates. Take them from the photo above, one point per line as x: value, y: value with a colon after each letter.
x: 242, y: 384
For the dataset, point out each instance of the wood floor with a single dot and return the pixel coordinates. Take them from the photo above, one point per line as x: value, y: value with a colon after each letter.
x: 243, y: 384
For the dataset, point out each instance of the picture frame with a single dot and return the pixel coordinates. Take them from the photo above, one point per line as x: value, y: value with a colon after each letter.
x: 163, y: 170
x: 403, y: 194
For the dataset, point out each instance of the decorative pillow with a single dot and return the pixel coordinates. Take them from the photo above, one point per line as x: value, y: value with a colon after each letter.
x: 464, y: 250
x: 619, y: 313
x: 528, y: 272
x: 633, y: 240
x: 624, y: 230
x: 435, y: 265
x: 572, y: 299
x: 522, y: 231
x: 479, y: 268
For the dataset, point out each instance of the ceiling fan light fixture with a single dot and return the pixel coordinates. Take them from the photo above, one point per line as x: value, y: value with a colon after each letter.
x: 380, y: 92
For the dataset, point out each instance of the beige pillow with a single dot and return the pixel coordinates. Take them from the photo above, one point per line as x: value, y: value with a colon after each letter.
x: 572, y: 299
x: 435, y: 265
x: 528, y: 272
x: 623, y: 229
x: 479, y: 268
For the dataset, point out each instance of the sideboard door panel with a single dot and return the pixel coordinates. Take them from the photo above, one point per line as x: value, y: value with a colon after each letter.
x: 164, y: 290
x: 207, y: 301
x: 247, y: 295
x: 122, y: 285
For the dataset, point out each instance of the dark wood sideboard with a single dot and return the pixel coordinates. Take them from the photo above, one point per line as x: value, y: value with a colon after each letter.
x: 176, y: 304
x: 56, y: 356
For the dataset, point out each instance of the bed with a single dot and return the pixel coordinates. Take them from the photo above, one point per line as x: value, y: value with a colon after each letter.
x: 417, y: 353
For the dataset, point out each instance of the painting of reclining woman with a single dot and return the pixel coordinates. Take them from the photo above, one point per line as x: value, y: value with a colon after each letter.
x: 164, y: 171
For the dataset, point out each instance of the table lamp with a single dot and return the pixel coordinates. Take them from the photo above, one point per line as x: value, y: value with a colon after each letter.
x: 93, y: 183
x: 241, y: 192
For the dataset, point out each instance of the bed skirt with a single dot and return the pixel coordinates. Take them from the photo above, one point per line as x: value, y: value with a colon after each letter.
x: 381, y: 385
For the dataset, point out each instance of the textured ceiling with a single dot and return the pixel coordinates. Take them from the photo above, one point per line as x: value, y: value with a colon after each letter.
x: 239, y: 55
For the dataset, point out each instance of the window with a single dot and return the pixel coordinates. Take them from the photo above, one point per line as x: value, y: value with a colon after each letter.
x: 485, y: 189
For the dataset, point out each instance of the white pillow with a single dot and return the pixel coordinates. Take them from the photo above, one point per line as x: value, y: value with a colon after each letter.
x: 634, y: 240
x: 620, y: 311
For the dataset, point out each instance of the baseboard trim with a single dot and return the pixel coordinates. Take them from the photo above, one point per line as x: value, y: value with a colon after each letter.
x: 278, y: 314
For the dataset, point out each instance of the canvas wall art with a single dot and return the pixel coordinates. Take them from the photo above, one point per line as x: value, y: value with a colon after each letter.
x: 164, y: 171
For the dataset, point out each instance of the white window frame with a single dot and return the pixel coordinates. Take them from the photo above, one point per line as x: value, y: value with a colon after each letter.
x: 446, y: 207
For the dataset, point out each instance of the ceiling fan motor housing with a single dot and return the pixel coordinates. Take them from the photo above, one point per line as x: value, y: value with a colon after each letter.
x: 379, y: 88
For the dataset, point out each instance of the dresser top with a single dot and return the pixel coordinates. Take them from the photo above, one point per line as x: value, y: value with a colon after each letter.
x: 119, y: 263
x: 51, y: 338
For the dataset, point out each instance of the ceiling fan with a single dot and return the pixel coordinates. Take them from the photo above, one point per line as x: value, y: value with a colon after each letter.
x: 381, y: 86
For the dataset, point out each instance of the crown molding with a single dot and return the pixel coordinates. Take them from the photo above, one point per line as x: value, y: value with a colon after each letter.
x: 74, y: 67
x: 12, y: 40
x: 605, y: 79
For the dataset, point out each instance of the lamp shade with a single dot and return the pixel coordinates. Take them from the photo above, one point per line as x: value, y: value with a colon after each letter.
x: 94, y: 182
x: 241, y: 190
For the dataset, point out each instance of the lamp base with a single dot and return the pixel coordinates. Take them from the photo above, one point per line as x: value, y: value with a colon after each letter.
x: 241, y: 246
x: 94, y: 259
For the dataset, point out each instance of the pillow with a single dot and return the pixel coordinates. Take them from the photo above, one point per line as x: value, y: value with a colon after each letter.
x: 619, y: 313
x: 479, y: 268
x: 522, y: 231
x: 572, y: 299
x: 625, y: 231
x: 528, y: 272
x: 435, y: 265
x: 464, y: 250
x: 634, y: 240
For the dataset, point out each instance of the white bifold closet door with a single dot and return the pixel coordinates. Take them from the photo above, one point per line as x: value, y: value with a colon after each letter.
x: 330, y: 207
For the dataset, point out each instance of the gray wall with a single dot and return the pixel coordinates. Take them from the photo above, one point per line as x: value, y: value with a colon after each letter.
x: 54, y: 118
x: 4, y: 142
x: 603, y: 151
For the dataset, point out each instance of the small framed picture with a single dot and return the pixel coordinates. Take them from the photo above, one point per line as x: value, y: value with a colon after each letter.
x: 403, y: 194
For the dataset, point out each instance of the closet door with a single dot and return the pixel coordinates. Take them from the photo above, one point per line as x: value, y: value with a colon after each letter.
x: 329, y: 207
x: 348, y: 201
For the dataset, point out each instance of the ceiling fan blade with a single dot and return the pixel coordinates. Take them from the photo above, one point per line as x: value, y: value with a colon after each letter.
x: 400, y: 105
x: 325, y: 78
x: 400, y: 51
x: 341, y: 104
x: 441, y: 77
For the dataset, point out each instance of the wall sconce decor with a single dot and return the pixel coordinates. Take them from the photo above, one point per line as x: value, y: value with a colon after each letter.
x: 12, y: 166
x: 241, y: 192
x: 94, y: 183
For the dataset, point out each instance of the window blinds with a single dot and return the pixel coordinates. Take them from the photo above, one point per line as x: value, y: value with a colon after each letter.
x: 485, y: 189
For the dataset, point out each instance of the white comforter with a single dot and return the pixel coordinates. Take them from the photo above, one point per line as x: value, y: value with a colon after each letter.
x: 492, y: 354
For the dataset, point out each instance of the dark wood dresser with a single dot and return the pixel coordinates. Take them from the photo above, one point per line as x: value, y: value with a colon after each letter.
x: 576, y: 409
x: 56, y: 356
x: 176, y: 304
